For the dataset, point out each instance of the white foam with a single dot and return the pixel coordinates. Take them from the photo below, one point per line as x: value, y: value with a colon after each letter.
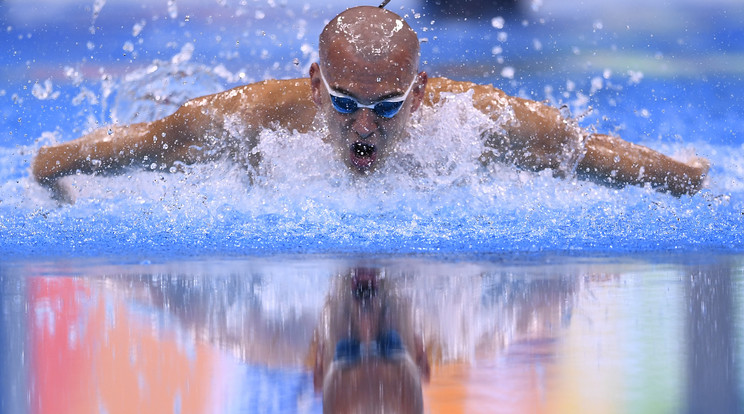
x: 432, y: 193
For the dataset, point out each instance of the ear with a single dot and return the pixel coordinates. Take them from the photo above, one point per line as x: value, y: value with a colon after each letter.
x: 419, y: 90
x: 316, y: 84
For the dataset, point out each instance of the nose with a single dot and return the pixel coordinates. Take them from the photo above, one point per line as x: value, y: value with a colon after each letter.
x: 364, y: 123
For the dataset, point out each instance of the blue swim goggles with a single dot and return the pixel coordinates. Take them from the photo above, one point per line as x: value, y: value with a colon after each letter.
x: 386, y: 108
x: 388, y: 345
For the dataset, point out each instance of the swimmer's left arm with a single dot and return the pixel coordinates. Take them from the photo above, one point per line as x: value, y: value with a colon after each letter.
x: 539, y: 137
x: 534, y: 135
x: 545, y: 137
x: 614, y: 160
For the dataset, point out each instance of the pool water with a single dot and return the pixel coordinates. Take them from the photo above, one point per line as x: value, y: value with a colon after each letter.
x: 649, y: 86
x: 535, y: 293
x: 655, y: 334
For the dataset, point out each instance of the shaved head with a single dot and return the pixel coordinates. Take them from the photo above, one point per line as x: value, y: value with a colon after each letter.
x: 369, y: 34
x: 369, y: 60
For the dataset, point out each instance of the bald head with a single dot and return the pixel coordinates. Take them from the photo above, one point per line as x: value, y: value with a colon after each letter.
x: 368, y: 59
x: 369, y: 34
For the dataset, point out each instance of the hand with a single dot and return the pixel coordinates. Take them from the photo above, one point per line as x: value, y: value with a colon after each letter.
x: 60, y: 190
x: 701, y: 167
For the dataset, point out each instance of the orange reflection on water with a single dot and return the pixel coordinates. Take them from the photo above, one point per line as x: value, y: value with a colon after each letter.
x: 516, y: 383
x: 60, y: 350
x: 92, y: 354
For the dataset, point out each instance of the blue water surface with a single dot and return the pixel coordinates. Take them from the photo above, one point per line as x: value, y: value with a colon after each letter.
x: 676, y: 89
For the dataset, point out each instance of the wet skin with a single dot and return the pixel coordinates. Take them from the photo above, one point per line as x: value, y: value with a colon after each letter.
x: 362, y: 139
x: 368, y: 54
x: 363, y: 306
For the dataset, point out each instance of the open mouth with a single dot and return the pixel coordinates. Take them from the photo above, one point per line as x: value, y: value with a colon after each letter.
x: 362, y: 155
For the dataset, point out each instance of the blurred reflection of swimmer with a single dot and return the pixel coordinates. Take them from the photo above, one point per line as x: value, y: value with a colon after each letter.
x: 380, y: 331
x: 381, y: 327
x: 492, y: 314
x: 363, y: 350
x: 229, y: 311
x: 367, y: 357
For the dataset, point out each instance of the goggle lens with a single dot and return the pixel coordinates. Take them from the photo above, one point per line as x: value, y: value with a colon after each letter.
x: 388, y: 109
x: 346, y: 105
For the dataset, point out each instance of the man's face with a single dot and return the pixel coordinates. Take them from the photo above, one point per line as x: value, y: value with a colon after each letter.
x: 363, y: 138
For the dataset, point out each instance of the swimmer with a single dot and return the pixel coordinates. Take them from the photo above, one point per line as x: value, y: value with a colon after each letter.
x: 366, y: 354
x: 363, y: 90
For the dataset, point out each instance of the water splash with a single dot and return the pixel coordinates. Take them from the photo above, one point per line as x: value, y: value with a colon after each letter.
x: 433, y: 196
x: 172, y: 9
x: 97, y: 7
x: 44, y: 91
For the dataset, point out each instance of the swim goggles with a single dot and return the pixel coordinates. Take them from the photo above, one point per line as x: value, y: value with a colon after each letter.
x: 386, y: 108
x: 388, y: 345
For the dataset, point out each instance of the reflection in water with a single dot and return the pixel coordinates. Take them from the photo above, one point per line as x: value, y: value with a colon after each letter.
x: 13, y: 362
x: 368, y: 356
x: 712, y: 379
x: 400, y: 335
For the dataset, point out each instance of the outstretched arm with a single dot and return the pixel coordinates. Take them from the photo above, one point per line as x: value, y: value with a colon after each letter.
x: 103, y: 149
x: 536, y: 136
x: 614, y: 160
x: 197, y: 132
x: 111, y: 149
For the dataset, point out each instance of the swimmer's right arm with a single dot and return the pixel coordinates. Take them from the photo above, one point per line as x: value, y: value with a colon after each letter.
x: 180, y: 137
x: 109, y: 149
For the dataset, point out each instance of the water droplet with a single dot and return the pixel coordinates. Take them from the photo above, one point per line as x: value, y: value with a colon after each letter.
x: 137, y: 28
x: 172, y: 9
x: 507, y: 72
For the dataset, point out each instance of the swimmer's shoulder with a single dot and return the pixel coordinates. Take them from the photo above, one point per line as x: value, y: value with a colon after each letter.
x: 438, y: 85
x: 271, y: 90
x: 270, y: 103
x: 268, y: 92
x: 285, y: 103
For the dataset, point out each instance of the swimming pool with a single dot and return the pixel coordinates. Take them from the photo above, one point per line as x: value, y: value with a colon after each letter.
x: 673, y: 83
